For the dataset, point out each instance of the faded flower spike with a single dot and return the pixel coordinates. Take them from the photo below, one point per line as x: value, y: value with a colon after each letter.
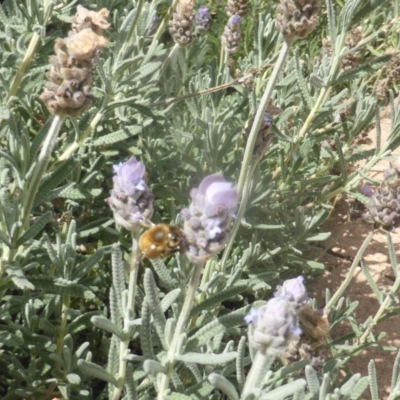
x: 236, y: 7
x: 297, y: 18
x: 207, y: 219
x: 130, y: 200
x: 294, y: 290
x: 202, y: 19
x: 70, y: 76
x: 383, y: 208
x: 181, y: 25
x: 230, y: 37
x: 273, y: 325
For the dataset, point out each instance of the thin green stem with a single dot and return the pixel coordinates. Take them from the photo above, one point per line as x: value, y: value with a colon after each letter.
x: 167, y: 61
x: 384, y: 306
x: 257, y: 371
x: 164, y: 22
x: 248, y: 154
x: 24, y: 65
x: 179, y: 329
x: 66, y: 301
x: 240, y: 215
x: 128, y: 316
x: 338, y: 294
x: 97, y: 118
x: 41, y: 166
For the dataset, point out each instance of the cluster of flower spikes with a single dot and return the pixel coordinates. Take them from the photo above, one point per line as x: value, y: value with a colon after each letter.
x: 70, y: 76
x: 130, y: 200
x: 207, y: 219
x: 236, y: 7
x: 274, y: 325
x: 383, y: 207
x: 230, y: 37
x: 181, y: 24
x: 297, y: 18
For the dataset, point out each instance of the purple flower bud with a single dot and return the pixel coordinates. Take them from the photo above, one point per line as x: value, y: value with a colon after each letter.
x: 366, y: 190
x: 207, y: 218
x: 293, y: 290
x: 130, y: 200
x: 273, y: 325
x: 234, y: 22
x: 202, y: 19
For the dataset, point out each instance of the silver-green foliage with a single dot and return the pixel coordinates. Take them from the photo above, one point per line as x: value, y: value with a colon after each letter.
x: 65, y: 283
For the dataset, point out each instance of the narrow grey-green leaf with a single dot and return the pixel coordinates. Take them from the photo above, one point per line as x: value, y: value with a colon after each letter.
x: 95, y: 371
x: 104, y: 323
x: 207, y: 359
x: 36, y: 227
x: 284, y: 391
x: 221, y: 383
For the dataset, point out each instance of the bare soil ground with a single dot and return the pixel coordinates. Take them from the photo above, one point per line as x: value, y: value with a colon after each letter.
x: 347, y: 237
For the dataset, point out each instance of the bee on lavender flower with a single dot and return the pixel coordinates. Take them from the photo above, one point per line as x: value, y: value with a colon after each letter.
x: 161, y: 241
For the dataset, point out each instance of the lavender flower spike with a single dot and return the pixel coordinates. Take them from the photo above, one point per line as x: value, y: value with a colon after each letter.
x: 202, y: 19
x: 207, y: 219
x: 273, y: 325
x: 130, y: 200
x: 294, y: 290
x: 230, y: 37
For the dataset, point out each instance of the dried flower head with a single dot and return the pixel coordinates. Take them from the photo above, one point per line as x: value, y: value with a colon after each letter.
x: 70, y: 76
x: 130, y: 200
x: 202, y: 19
x: 207, y: 219
x: 383, y: 208
x: 294, y: 290
x: 181, y: 24
x: 273, y: 326
x: 236, y: 7
x: 297, y: 18
x: 230, y: 37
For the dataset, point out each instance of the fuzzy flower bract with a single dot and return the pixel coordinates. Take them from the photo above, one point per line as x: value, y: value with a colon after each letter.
x: 130, y: 200
x: 207, y: 219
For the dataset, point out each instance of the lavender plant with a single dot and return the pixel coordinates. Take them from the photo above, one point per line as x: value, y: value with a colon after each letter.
x: 105, y: 138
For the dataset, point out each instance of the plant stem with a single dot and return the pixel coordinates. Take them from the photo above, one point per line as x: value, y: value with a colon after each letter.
x: 24, y: 65
x: 385, y: 304
x: 97, y: 118
x: 179, y: 329
x: 248, y: 154
x: 40, y: 169
x: 256, y: 372
x: 128, y: 316
x: 240, y: 215
x: 164, y: 22
x: 350, y: 273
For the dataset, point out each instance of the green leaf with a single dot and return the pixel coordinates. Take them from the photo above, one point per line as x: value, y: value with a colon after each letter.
x: 284, y: 391
x: 61, y: 286
x: 52, y: 181
x: 118, y: 136
x: 18, y: 278
x: 95, y: 371
x: 217, y: 298
x: 36, y: 227
x: 207, y: 359
x: 219, y: 325
x: 363, y: 70
x: 104, y: 323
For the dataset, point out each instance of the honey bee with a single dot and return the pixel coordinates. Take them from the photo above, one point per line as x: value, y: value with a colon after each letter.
x: 161, y: 241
